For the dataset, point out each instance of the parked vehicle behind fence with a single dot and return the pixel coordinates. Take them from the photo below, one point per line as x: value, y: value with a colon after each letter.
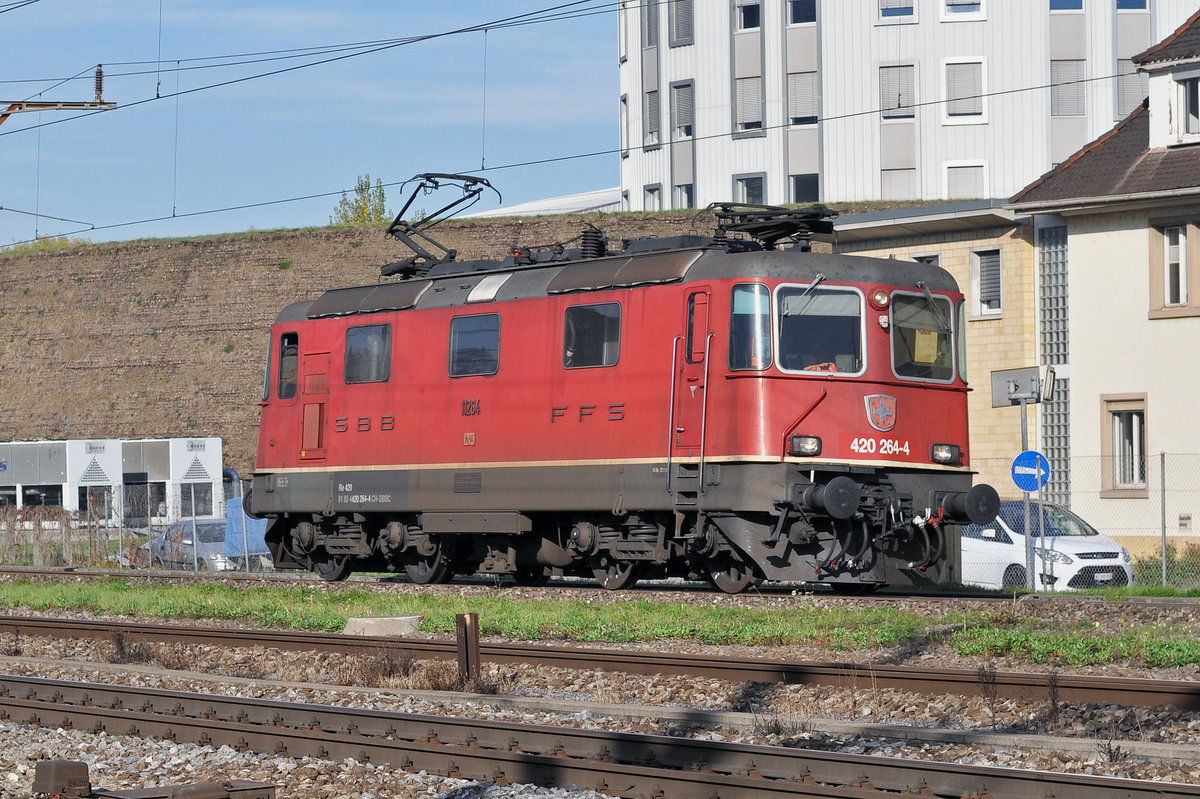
x: 173, y: 549
x: 1069, y: 554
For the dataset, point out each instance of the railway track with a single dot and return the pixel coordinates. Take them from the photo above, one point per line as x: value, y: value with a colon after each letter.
x: 1083, y: 689
x: 622, y: 764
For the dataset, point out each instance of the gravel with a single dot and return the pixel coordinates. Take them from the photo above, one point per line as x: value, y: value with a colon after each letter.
x: 1159, y: 744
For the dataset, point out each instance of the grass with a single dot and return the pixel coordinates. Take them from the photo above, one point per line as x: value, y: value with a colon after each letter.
x: 1004, y: 632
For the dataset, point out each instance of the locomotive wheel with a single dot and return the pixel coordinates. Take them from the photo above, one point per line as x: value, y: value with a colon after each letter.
x: 611, y: 573
x: 730, y: 573
x: 429, y: 570
x: 332, y: 568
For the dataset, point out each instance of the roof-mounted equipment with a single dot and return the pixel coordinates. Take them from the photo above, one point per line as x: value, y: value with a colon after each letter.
x: 411, y: 234
x: 770, y: 224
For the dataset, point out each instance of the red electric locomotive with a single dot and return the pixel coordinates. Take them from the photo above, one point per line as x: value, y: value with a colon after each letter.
x: 716, y: 406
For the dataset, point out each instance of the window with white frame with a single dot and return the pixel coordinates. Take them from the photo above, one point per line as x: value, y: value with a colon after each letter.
x: 964, y: 91
x: 896, y: 91
x: 680, y: 22
x: 1131, y: 5
x: 802, y: 98
x: 652, y: 121
x: 1132, y: 87
x: 750, y: 189
x: 749, y: 104
x: 1067, y: 87
x: 953, y: 10
x: 896, y: 10
x: 649, y: 23
x: 1175, y: 287
x: 652, y: 198
x: 985, y: 282
x: 1188, y: 104
x: 685, y: 195
x: 682, y: 109
x: 801, y: 12
x: 1123, y: 444
x: 749, y: 16
x: 1066, y: 5
x: 965, y: 182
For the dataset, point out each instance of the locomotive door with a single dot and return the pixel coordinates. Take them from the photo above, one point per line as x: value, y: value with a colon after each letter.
x: 691, y: 377
x: 314, y: 393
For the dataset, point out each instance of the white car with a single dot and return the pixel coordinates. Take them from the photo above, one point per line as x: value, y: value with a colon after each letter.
x: 1068, y: 553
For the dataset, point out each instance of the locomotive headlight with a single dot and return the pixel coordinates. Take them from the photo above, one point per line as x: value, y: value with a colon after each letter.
x: 946, y: 453
x: 880, y: 299
x: 804, y: 446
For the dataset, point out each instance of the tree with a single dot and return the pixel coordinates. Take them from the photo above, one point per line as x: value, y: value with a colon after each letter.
x: 368, y: 206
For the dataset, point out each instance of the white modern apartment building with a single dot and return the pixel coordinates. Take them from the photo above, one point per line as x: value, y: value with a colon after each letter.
x: 782, y: 101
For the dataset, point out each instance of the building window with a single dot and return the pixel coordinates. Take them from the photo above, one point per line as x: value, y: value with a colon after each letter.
x: 749, y: 16
x: 932, y: 259
x: 685, y: 196
x: 368, y: 354
x: 474, y: 345
x: 749, y: 104
x: 957, y: 9
x: 649, y: 23
x: 964, y: 90
x: 802, y: 98
x: 1131, y: 5
x: 896, y: 9
x: 652, y: 119
x: 49, y: 496
x: 1132, y: 87
x: 682, y: 109
x: 624, y: 113
x: 623, y: 30
x: 965, y: 182
x: 806, y: 188
x: 1066, y: 5
x: 195, y: 499
x: 985, y: 282
x: 652, y: 198
x: 801, y: 12
x: 1123, y: 445
x: 679, y: 18
x: 896, y: 92
x: 1067, y: 88
x: 1189, y: 105
x: 592, y: 335
x: 750, y: 189
x: 898, y: 184
x: 1175, y: 288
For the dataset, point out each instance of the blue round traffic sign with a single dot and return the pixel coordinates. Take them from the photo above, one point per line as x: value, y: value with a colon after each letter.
x: 1030, y: 470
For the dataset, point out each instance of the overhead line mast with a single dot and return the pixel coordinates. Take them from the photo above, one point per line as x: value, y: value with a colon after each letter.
x: 98, y: 104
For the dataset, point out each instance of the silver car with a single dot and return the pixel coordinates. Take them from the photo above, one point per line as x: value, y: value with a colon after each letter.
x: 174, y: 548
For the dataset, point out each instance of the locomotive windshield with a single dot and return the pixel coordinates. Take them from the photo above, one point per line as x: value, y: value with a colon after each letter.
x: 750, y: 327
x: 820, y: 330
x: 922, y: 338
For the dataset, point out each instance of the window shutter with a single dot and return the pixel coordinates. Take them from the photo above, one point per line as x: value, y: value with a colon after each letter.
x: 1132, y: 87
x: 683, y: 110
x: 650, y: 23
x: 891, y: 5
x: 681, y: 20
x: 1066, y: 88
x: 964, y: 182
x: 964, y: 89
x: 749, y: 103
x: 989, y: 280
x: 802, y: 98
x: 652, y: 116
x: 896, y: 93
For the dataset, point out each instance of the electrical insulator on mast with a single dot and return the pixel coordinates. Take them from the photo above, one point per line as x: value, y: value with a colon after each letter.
x: 99, y: 84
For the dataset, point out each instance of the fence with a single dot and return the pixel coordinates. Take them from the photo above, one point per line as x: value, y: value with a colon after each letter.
x: 1151, y: 509
x: 49, y: 536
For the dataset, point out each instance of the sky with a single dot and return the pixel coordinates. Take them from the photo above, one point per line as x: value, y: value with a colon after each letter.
x: 370, y: 87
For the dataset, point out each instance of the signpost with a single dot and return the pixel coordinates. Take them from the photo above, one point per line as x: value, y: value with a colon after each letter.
x: 1030, y: 469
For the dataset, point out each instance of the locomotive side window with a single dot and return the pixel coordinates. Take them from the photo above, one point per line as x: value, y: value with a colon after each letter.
x: 922, y: 339
x: 474, y: 345
x: 289, y: 358
x: 820, y: 330
x: 368, y: 354
x: 592, y: 335
x: 697, y: 327
x: 750, y: 327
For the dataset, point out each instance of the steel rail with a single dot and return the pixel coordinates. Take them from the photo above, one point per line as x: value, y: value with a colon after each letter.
x: 1025, y: 686
x: 625, y: 764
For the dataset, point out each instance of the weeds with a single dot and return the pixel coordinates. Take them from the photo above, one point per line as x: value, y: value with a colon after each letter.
x: 988, y: 687
x: 128, y: 652
x: 1111, y: 753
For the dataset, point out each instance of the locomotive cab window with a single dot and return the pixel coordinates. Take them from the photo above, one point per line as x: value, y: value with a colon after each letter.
x: 474, y: 345
x: 368, y: 354
x: 922, y: 337
x: 289, y: 359
x: 750, y: 327
x: 820, y: 330
x: 592, y: 335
